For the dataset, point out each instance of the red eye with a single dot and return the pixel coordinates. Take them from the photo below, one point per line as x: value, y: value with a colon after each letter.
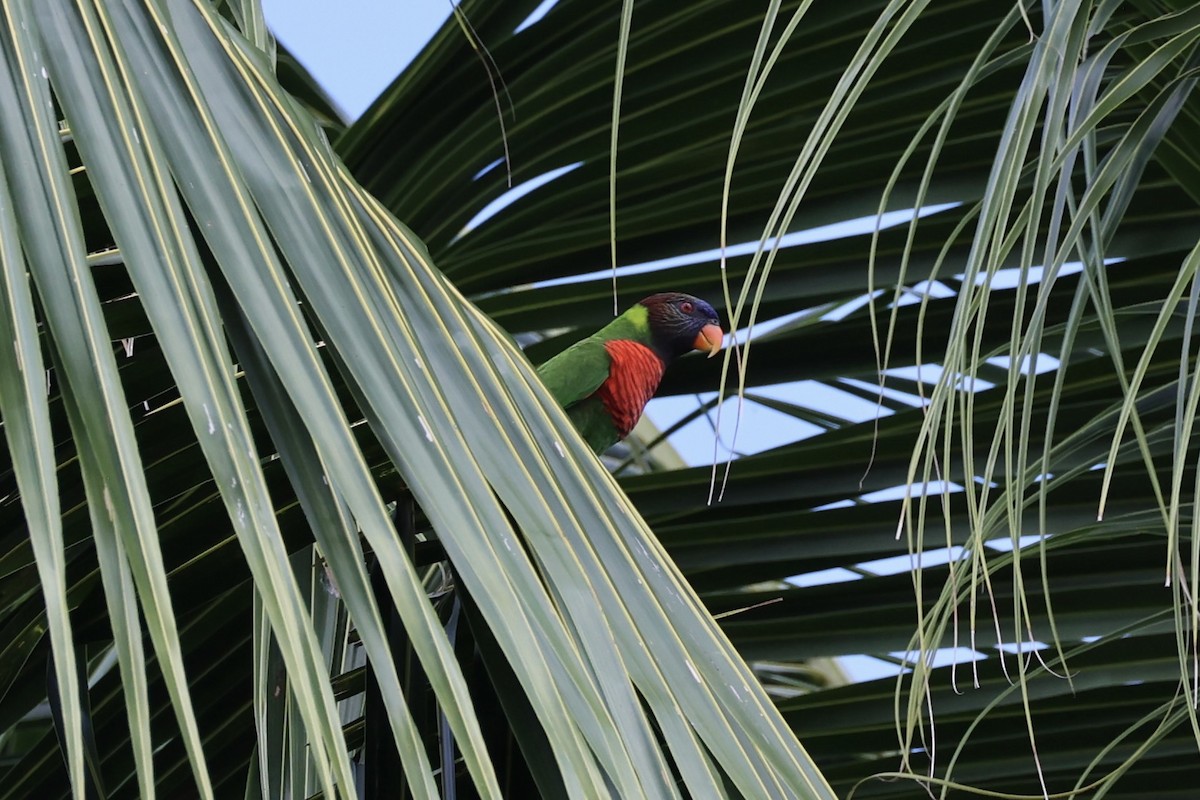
x: 686, y: 307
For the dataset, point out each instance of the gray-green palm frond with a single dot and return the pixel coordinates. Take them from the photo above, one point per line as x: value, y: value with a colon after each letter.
x: 294, y: 367
x: 1062, y: 168
x: 1056, y: 145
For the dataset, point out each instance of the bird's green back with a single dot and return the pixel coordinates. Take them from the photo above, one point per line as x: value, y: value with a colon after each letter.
x: 576, y: 373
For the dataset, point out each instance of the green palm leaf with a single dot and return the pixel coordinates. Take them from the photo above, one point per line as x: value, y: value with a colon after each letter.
x: 232, y: 216
x: 306, y: 365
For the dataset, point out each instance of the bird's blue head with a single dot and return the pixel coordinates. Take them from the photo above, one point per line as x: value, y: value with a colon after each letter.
x: 680, y: 322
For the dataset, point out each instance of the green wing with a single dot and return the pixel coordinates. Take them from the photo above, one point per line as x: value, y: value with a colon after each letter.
x: 576, y: 372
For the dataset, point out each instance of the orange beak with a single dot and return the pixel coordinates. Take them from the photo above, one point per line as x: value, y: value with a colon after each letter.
x: 709, y: 339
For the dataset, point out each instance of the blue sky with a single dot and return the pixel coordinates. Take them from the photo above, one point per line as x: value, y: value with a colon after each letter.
x: 356, y: 47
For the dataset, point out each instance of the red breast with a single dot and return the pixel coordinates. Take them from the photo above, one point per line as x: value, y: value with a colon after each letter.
x: 632, y: 380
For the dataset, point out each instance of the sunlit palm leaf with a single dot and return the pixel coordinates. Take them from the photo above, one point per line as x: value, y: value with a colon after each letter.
x: 1096, y: 143
x: 1106, y: 103
x: 171, y: 109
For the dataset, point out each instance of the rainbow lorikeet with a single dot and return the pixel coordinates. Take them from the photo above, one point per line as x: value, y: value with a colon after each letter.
x: 604, y: 381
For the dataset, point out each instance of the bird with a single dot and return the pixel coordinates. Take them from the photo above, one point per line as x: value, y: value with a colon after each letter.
x: 604, y: 381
